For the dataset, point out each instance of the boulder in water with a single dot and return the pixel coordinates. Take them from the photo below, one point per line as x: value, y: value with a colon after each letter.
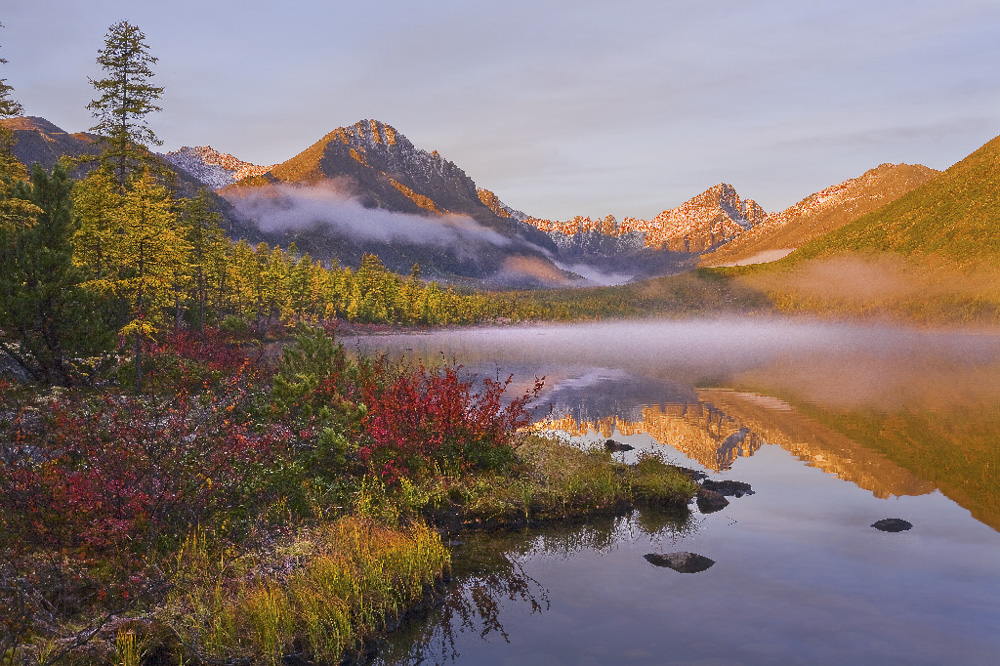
x: 892, y: 525
x: 710, y: 501
x: 728, y: 487
x: 612, y: 445
x: 682, y: 562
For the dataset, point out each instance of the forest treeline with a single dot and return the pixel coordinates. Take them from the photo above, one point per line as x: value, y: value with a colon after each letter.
x: 87, y: 261
x: 115, y: 257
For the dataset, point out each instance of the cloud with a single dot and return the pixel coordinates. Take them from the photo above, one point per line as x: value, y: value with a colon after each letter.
x: 288, y: 207
x: 595, y: 275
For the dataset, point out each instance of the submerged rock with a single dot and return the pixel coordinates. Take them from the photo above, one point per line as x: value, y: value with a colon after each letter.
x: 693, y: 474
x: 728, y: 487
x: 892, y: 525
x: 710, y: 501
x: 612, y: 445
x: 682, y: 562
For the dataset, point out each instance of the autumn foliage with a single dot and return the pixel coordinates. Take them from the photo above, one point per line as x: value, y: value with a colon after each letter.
x: 433, y: 419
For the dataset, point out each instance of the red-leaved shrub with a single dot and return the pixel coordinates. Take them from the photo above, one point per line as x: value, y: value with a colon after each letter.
x: 124, y: 473
x: 434, y: 418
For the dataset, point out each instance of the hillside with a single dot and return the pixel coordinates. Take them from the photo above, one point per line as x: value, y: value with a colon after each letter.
x: 952, y: 219
x: 820, y: 213
x: 932, y: 255
x: 39, y: 141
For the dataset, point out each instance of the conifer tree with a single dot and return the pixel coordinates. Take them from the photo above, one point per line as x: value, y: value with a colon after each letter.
x: 152, y: 254
x: 12, y: 210
x: 48, y: 317
x: 126, y: 98
x: 96, y: 200
x: 208, y: 250
x: 8, y: 106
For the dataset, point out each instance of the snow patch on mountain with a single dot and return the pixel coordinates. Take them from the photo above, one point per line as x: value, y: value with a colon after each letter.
x: 214, y: 169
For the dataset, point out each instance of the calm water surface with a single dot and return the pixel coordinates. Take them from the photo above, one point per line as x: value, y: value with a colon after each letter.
x: 835, y: 427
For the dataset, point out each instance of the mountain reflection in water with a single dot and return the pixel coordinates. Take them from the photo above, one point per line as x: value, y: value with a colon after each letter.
x: 725, y: 425
x: 896, y: 411
x: 835, y: 426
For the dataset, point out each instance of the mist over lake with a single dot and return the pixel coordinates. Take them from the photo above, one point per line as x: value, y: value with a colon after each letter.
x: 834, y: 425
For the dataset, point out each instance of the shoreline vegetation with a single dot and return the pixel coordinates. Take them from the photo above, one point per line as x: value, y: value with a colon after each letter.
x: 245, y: 511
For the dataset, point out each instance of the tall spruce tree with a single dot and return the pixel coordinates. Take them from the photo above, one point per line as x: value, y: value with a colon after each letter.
x: 127, y: 97
x: 12, y: 211
x: 49, y: 319
x: 8, y: 106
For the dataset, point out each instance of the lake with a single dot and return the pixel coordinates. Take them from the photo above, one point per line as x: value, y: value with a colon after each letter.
x: 835, y: 426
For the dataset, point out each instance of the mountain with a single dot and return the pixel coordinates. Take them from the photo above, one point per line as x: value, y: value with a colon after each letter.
x: 367, y: 188
x: 383, y: 169
x: 36, y: 140
x: 39, y: 141
x: 669, y: 243
x: 950, y: 220
x: 820, y: 213
x: 214, y: 169
x: 708, y: 220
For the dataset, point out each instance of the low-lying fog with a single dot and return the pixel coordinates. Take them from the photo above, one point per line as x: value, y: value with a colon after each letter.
x: 838, y: 363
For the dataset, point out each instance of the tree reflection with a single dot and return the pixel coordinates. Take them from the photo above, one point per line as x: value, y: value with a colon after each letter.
x: 491, y: 582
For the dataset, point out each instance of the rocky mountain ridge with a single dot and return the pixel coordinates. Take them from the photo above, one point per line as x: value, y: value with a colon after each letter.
x: 492, y: 201
x: 213, y: 168
x: 371, y: 163
x: 705, y: 221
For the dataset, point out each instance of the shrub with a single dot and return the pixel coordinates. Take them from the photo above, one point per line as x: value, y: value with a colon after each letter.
x: 426, y: 419
x: 126, y: 473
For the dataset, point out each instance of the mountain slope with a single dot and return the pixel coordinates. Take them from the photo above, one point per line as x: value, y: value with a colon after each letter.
x: 952, y: 219
x: 932, y: 255
x: 820, y: 213
x: 39, y: 141
x: 367, y: 188
x: 383, y: 169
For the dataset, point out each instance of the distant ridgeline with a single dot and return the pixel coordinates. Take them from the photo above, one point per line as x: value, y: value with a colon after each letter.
x: 366, y: 189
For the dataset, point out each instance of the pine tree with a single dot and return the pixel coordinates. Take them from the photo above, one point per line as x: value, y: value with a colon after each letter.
x: 12, y: 210
x: 208, y: 243
x: 127, y: 97
x: 8, y: 106
x: 151, y: 253
x: 49, y: 318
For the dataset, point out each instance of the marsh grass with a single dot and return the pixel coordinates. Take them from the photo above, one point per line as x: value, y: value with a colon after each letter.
x: 324, y: 593
x: 552, y: 481
x: 127, y: 651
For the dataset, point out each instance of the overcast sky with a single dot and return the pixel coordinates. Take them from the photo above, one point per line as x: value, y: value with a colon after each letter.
x: 561, y: 107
